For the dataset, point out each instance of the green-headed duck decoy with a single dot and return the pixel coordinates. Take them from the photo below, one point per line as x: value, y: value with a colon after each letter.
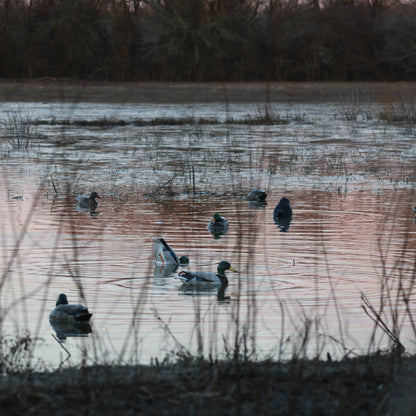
x: 218, y: 225
x: 207, y: 279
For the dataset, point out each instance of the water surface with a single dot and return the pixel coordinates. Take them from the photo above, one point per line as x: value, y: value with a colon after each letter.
x: 350, y: 183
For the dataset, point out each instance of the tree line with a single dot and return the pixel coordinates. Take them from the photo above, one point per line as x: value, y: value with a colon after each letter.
x: 209, y: 40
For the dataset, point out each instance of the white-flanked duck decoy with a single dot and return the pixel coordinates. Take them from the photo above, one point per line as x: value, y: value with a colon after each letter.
x: 88, y: 202
x: 257, y: 195
x: 165, y: 255
x: 207, y: 279
x: 69, y: 312
x: 218, y: 225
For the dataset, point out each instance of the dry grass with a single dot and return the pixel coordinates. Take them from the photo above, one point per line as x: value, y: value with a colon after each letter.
x: 362, y: 386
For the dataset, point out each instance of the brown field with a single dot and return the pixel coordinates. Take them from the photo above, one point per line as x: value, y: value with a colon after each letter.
x: 72, y: 91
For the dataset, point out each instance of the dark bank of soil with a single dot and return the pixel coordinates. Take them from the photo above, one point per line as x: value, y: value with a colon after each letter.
x: 380, y: 385
x: 157, y: 92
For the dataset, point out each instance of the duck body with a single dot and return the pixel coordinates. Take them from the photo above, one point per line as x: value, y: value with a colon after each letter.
x: 88, y: 202
x: 257, y: 195
x: 69, y: 312
x: 218, y: 225
x: 282, y: 210
x: 165, y: 255
x: 207, y: 279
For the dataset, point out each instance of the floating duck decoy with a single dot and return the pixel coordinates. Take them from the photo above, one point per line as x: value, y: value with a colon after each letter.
x: 257, y: 195
x: 282, y: 209
x: 207, y: 279
x: 88, y: 202
x: 282, y: 215
x: 69, y: 312
x: 165, y: 255
x: 218, y: 225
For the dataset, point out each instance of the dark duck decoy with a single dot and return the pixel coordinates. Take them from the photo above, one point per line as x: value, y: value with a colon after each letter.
x: 257, y: 195
x: 282, y: 209
x: 218, y: 225
x: 69, y: 312
x: 207, y: 279
x: 88, y: 202
x: 282, y: 215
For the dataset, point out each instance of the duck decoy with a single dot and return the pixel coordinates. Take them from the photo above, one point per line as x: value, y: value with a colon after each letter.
x: 207, y: 279
x: 69, y: 312
x: 88, y: 202
x: 282, y: 209
x: 165, y: 255
x: 257, y: 195
x: 218, y: 225
x: 282, y: 215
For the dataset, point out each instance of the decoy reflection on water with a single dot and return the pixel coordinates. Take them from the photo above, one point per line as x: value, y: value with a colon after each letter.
x: 66, y: 329
x: 218, y: 226
x: 207, y: 279
x: 164, y: 254
x: 282, y: 214
x: 192, y: 290
x: 88, y: 202
x: 257, y: 197
x: 69, y: 312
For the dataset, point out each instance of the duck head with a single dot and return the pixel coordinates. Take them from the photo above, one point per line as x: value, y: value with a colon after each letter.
x: 223, y: 266
x: 62, y: 300
x: 94, y: 195
x: 217, y: 218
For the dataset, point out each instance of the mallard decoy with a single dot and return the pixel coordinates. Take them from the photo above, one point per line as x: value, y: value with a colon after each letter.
x: 69, y: 312
x: 257, y: 195
x: 282, y: 209
x: 218, y: 225
x: 88, y: 202
x: 165, y: 255
x: 207, y: 279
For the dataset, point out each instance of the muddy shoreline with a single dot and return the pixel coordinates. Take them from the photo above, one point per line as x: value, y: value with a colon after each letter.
x: 51, y: 90
x: 378, y: 385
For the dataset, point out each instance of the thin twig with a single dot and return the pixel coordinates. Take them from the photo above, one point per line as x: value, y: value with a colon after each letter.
x: 63, y: 347
x: 376, y: 318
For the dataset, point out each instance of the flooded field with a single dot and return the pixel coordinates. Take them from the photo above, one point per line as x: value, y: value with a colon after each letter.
x: 347, y: 163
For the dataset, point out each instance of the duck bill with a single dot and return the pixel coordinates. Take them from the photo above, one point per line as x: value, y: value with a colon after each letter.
x: 233, y: 270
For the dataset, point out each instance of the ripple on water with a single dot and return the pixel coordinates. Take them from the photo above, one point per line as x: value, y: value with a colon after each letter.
x: 345, y: 238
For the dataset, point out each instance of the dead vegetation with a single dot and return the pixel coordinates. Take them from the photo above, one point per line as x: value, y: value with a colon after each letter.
x: 361, y: 386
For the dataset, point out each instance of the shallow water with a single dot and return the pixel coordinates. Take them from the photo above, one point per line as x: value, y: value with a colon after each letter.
x: 350, y: 183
